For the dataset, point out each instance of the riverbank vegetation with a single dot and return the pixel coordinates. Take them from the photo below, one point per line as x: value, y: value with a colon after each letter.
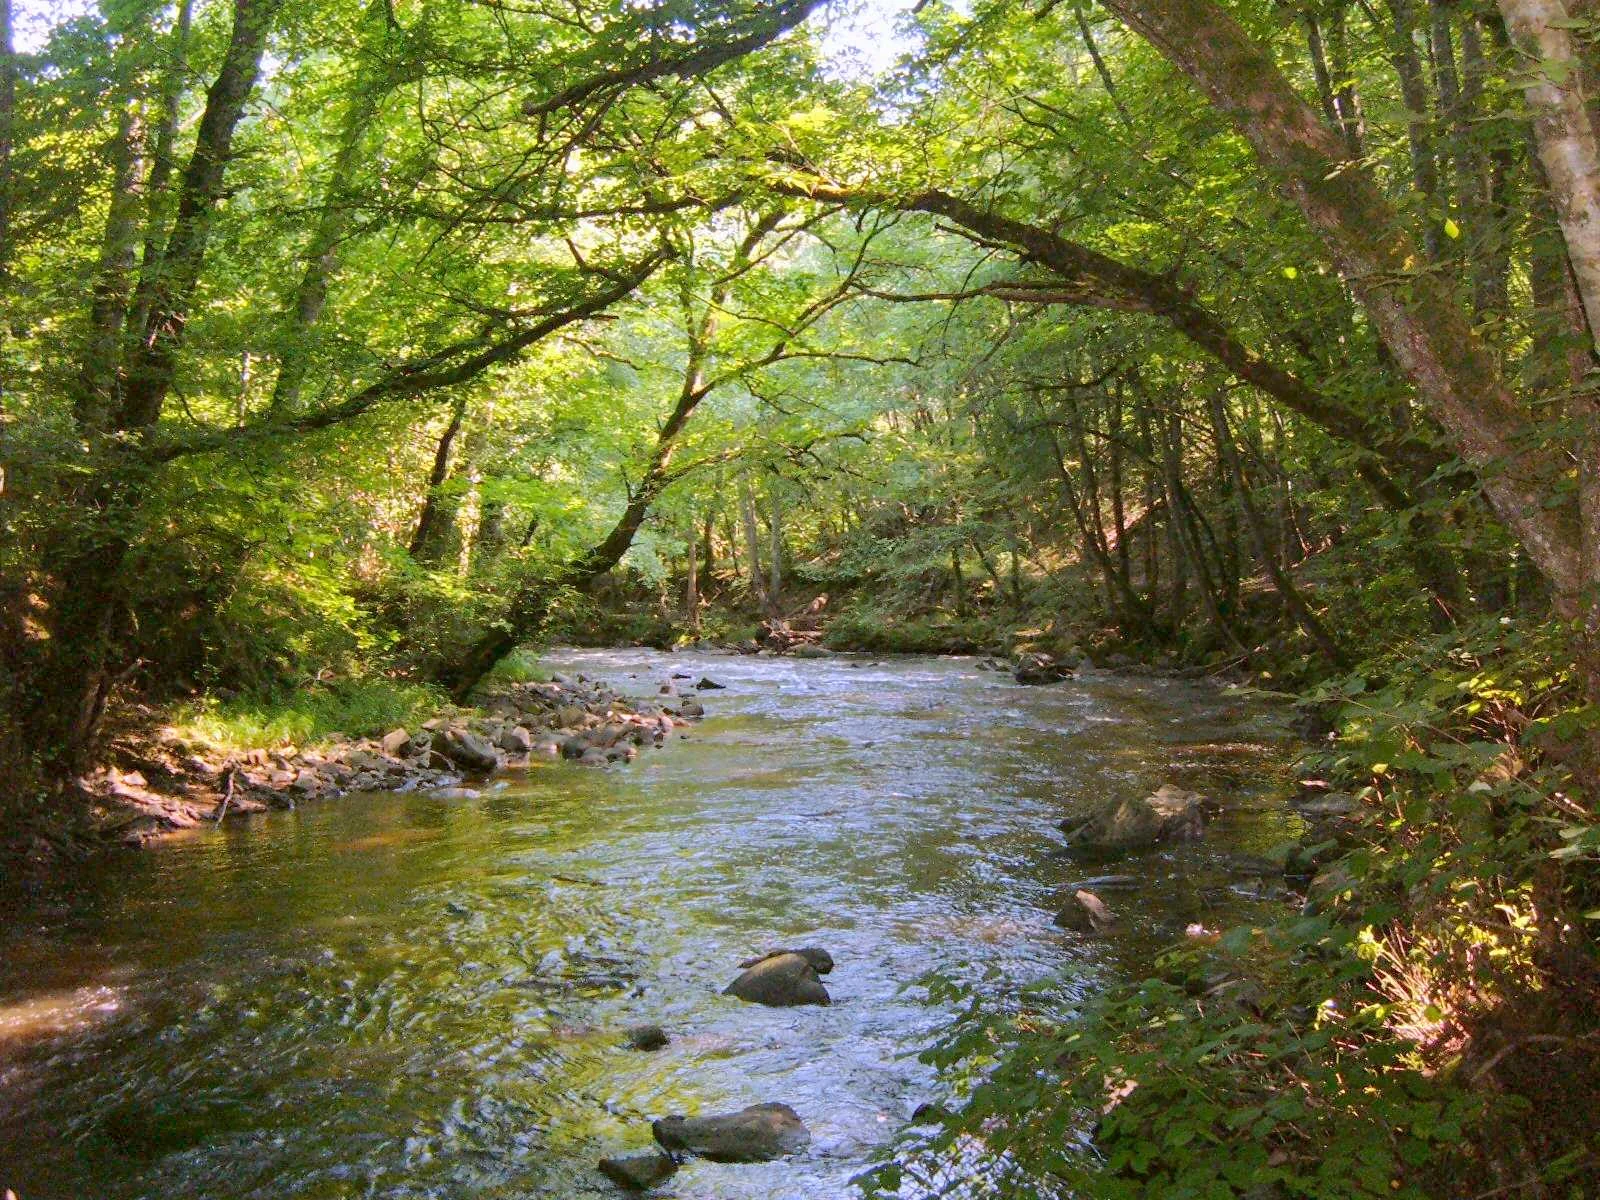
x: 349, y: 347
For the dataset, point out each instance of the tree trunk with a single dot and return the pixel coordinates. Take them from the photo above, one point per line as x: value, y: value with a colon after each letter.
x: 752, y: 542
x: 157, y: 210
x: 87, y: 644
x: 99, y: 386
x: 775, y: 552
x: 1564, y: 133
x: 1454, y: 372
x: 296, y: 342
x: 1419, y: 120
x: 530, y: 607
x: 691, y: 582
x: 171, y: 290
x: 1264, y: 548
x: 428, y: 539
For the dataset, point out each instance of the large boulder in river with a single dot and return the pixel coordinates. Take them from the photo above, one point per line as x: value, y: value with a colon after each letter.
x: 1168, y: 815
x: 782, y: 981
x: 821, y: 961
x: 759, y: 1133
x: 466, y: 749
x: 638, y: 1172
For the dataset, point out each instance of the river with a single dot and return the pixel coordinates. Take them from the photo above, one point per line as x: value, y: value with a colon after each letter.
x: 400, y: 996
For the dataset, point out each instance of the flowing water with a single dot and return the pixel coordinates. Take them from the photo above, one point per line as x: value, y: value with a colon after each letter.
x: 399, y: 996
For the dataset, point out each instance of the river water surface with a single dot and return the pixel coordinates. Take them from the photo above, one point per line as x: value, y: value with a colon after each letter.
x: 399, y: 996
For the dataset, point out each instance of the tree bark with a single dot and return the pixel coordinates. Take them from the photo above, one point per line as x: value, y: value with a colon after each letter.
x: 154, y: 362
x: 1541, y: 30
x: 775, y: 551
x: 427, y: 538
x: 1454, y: 372
x: 691, y: 581
x: 99, y: 385
x: 157, y: 210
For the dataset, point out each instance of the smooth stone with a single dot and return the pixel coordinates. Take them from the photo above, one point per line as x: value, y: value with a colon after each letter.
x: 467, y: 750
x: 784, y: 981
x: 516, y: 740
x: 1329, y: 804
x: 638, y: 1171
x: 821, y: 961
x: 759, y: 1133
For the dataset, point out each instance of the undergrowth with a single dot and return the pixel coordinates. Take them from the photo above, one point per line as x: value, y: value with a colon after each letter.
x: 307, y: 716
x: 1426, y: 1027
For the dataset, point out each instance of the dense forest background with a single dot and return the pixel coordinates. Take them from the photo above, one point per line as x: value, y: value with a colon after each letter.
x: 349, y: 347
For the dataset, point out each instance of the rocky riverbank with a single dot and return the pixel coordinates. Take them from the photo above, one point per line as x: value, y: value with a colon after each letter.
x: 160, y: 782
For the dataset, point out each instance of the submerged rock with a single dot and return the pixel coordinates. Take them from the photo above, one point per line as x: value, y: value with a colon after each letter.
x: 638, y: 1171
x: 1326, y: 804
x: 759, y: 1133
x: 782, y: 981
x: 1039, y: 669
x: 1086, y: 913
x: 646, y: 1037
x: 1168, y: 815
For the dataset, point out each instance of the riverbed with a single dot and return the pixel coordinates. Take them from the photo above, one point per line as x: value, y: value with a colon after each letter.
x: 401, y: 996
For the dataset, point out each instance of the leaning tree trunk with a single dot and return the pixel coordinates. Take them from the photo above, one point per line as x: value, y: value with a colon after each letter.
x: 87, y: 645
x: 1455, y: 373
x: 428, y: 538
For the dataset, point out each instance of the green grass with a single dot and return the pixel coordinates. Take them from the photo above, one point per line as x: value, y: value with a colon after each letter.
x: 520, y: 666
x: 306, y: 717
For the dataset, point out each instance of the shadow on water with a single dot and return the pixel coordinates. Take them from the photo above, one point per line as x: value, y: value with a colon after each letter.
x: 399, y: 996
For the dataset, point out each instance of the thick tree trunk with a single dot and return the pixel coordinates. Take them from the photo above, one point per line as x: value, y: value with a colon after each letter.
x: 86, y: 651
x: 171, y: 288
x: 1564, y: 133
x: 98, y: 397
x: 1454, y: 372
